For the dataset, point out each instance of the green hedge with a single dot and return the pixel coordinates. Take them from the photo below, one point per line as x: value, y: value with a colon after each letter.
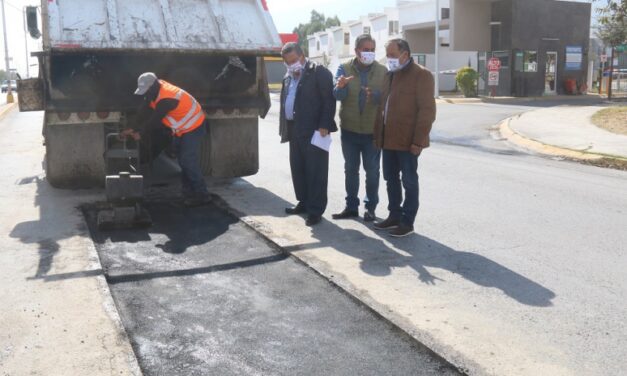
x: 467, y: 81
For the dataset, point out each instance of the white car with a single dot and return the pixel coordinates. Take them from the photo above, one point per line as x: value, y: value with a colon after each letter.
x: 5, y: 86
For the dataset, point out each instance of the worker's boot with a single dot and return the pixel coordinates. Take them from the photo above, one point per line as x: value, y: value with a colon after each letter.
x: 196, y: 200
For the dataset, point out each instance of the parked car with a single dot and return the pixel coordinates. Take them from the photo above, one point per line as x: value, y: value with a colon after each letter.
x: 5, y: 86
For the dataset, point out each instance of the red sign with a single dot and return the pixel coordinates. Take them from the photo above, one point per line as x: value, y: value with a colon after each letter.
x: 494, y: 64
x: 288, y: 38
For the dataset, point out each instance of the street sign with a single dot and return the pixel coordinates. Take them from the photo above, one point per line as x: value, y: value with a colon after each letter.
x: 493, y: 79
x: 604, y: 58
x: 494, y: 64
x: 621, y: 48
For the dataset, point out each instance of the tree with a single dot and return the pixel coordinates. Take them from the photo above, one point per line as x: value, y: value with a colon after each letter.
x: 3, y: 75
x: 318, y: 22
x: 612, y: 30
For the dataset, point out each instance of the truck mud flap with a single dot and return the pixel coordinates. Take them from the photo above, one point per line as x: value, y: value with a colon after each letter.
x: 31, y: 94
x: 74, y: 155
x: 231, y: 148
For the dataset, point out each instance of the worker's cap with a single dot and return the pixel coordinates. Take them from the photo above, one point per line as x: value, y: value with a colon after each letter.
x: 144, y: 82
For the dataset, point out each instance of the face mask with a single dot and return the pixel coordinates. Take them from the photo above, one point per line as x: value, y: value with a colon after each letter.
x: 367, y: 58
x: 393, y: 64
x: 294, y: 68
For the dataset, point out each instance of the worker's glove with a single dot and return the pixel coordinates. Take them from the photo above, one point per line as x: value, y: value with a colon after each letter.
x: 126, y: 133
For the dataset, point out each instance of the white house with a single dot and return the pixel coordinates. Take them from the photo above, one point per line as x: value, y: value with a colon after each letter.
x: 412, y: 20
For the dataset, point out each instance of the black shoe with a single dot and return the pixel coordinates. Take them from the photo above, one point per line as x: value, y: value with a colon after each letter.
x: 402, y: 231
x: 313, y: 220
x: 388, y: 224
x: 298, y: 209
x: 345, y: 214
x: 369, y: 216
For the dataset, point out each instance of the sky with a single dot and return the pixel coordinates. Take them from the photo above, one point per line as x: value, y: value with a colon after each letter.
x: 287, y: 14
x: 15, y: 37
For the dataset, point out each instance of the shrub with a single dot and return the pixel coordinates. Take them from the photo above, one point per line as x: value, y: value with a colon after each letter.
x: 467, y: 81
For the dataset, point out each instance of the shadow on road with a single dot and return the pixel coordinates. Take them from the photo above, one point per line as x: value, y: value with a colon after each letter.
x: 379, y: 257
x: 178, y: 228
x: 48, y: 230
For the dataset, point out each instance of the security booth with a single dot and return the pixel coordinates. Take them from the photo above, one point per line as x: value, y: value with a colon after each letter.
x: 542, y: 44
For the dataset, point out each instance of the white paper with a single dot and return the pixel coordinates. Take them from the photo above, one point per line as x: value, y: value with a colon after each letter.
x: 323, y: 143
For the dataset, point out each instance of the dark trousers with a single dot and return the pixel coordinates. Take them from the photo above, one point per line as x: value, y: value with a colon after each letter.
x: 401, y: 167
x: 357, y: 147
x: 310, y: 174
x: 188, y: 154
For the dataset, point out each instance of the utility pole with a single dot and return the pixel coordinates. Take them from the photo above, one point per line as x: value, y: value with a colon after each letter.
x: 609, y: 85
x: 437, y: 48
x: 26, y: 43
x: 6, y: 55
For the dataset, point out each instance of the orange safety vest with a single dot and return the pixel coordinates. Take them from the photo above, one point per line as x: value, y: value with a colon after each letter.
x: 187, y: 116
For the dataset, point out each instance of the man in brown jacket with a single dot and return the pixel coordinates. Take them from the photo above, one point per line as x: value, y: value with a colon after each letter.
x: 404, y: 120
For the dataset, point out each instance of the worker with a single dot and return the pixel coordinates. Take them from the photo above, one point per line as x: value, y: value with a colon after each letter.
x: 183, y: 116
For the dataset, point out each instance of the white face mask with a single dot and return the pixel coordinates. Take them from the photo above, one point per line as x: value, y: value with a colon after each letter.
x: 393, y: 64
x: 294, y: 68
x: 367, y: 58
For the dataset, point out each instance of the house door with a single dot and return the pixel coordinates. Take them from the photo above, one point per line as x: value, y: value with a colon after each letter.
x: 550, y: 75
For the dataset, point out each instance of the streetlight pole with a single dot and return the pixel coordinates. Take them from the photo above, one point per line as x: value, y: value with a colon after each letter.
x: 437, y: 48
x: 6, y: 55
x: 26, y: 43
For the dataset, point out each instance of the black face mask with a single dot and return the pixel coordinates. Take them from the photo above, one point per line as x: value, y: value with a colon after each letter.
x: 153, y: 92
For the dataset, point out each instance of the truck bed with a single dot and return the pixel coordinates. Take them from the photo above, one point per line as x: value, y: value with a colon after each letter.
x: 239, y: 27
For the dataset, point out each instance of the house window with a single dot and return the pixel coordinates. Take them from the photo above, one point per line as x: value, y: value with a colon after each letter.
x: 393, y: 27
x: 446, y: 13
x: 530, y: 61
x: 347, y: 39
x: 366, y: 29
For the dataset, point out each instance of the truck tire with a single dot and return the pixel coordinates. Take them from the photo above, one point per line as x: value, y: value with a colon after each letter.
x: 231, y: 148
x: 74, y: 155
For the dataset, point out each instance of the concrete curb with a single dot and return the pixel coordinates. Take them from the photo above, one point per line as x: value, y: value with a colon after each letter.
x: 515, y: 100
x: 6, y: 109
x: 511, y: 135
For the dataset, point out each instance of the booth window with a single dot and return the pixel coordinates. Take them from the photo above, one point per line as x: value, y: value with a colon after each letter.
x: 518, y: 61
x: 530, y: 60
x: 503, y: 56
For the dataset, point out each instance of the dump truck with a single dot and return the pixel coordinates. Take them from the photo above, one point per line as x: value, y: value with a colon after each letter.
x: 94, y: 50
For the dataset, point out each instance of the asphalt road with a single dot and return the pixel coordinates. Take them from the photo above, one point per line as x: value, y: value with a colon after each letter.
x: 202, y: 294
x: 517, y: 267
x: 518, y: 263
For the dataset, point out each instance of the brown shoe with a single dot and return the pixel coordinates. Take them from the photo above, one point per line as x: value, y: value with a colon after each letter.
x: 387, y: 224
x: 401, y: 231
x: 345, y: 214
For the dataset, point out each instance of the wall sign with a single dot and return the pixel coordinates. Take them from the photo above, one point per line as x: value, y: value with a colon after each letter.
x: 574, y: 57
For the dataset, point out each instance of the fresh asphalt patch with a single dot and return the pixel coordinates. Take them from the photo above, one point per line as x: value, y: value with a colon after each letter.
x: 200, y: 293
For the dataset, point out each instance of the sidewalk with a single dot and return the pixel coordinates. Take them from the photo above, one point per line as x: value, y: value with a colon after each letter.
x: 57, y: 315
x: 565, y: 131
